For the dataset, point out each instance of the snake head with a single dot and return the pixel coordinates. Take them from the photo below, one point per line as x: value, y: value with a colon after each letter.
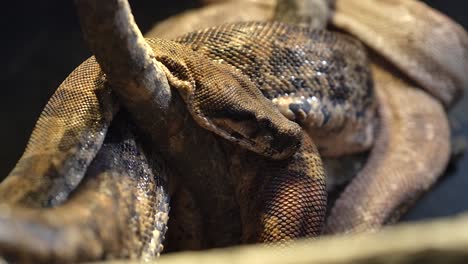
x: 223, y: 100
x: 230, y: 105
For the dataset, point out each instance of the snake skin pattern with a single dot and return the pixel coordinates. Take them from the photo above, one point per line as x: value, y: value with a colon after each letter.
x: 325, y: 85
x: 55, y: 160
x: 94, y: 222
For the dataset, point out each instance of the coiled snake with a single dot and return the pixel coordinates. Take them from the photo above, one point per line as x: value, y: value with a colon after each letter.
x: 323, y: 82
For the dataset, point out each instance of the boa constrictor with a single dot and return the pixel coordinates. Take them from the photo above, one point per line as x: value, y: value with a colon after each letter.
x: 429, y: 51
x: 241, y: 116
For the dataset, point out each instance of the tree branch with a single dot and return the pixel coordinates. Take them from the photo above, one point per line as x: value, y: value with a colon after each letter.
x: 441, y: 241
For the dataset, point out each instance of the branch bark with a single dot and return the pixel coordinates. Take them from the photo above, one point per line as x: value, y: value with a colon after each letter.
x: 442, y: 241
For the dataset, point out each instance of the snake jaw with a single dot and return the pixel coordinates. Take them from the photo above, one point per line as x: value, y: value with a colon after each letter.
x: 261, y: 134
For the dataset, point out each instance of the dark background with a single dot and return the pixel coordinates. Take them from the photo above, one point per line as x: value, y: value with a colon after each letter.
x: 41, y: 44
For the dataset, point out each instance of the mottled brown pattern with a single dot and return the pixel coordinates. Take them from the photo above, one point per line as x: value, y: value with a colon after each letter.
x: 266, y: 200
x: 286, y: 199
x: 317, y: 78
x: 118, y: 211
x: 227, y: 103
x: 65, y: 140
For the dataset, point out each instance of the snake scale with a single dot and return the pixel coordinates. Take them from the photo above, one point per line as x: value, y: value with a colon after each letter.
x: 324, y: 87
